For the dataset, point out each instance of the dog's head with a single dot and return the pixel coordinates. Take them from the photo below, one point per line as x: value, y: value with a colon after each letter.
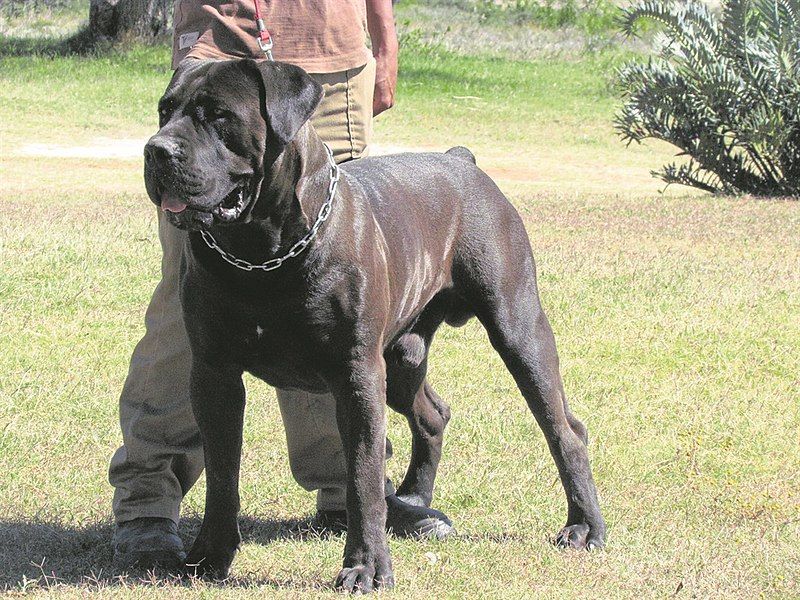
x: 219, y: 122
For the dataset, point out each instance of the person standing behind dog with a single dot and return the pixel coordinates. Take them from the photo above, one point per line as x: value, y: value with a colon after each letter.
x: 162, y: 455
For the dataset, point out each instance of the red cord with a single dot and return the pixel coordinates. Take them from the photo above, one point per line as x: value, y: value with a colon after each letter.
x: 262, y: 29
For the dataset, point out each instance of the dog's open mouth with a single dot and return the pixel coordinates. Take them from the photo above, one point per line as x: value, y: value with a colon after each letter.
x: 230, y: 209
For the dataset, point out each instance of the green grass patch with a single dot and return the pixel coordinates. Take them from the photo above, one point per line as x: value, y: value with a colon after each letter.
x: 489, y: 98
x: 677, y: 326
x: 590, y: 16
x: 52, y: 97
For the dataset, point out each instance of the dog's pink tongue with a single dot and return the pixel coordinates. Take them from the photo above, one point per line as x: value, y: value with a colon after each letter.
x: 172, y: 204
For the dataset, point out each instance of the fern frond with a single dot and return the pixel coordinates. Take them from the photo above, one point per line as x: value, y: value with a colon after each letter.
x: 724, y: 92
x: 691, y: 175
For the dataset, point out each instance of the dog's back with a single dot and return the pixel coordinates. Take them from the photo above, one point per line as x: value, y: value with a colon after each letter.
x: 437, y: 190
x: 439, y: 197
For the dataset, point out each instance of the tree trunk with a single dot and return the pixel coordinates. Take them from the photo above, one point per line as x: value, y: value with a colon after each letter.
x: 114, y: 19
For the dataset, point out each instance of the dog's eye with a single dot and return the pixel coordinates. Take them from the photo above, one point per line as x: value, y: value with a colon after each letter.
x: 218, y: 113
x: 164, y: 113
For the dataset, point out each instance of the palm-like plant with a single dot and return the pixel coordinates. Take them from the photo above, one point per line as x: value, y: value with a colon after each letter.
x: 724, y: 90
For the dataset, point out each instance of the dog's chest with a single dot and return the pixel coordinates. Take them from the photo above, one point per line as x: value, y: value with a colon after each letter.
x: 290, y: 333
x: 281, y: 348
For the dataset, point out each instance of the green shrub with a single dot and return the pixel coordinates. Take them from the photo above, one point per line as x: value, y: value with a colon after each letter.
x: 725, y: 90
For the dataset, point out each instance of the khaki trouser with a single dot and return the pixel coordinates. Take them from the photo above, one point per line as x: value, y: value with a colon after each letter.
x: 162, y: 454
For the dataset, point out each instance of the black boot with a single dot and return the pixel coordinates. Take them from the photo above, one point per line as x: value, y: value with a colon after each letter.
x: 402, y: 519
x: 148, y: 543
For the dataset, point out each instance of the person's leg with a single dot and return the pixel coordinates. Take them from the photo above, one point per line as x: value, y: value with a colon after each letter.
x: 162, y: 455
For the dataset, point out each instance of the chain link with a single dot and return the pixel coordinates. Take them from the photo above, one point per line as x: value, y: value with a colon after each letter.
x: 274, y: 263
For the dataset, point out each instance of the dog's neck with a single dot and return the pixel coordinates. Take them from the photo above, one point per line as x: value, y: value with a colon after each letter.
x: 294, y: 187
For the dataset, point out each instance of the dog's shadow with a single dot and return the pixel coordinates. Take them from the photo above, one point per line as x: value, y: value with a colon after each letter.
x: 44, y: 554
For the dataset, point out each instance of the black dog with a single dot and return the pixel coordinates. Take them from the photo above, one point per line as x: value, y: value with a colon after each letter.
x: 411, y: 241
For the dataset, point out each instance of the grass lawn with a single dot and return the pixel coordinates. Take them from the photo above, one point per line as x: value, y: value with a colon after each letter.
x: 677, y: 317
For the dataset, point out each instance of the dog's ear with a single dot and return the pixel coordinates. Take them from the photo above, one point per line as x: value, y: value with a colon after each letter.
x: 290, y: 98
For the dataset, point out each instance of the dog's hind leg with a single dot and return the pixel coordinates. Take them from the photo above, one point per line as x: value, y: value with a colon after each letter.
x: 501, y: 282
x: 520, y: 332
x: 410, y: 394
x: 428, y: 419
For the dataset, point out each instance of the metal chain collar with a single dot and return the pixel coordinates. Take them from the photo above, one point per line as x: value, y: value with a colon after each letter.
x: 274, y: 263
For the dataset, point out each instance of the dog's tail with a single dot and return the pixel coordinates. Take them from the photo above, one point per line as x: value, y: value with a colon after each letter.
x: 462, y: 153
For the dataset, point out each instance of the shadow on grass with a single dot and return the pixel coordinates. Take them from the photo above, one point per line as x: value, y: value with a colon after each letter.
x: 47, y: 554
x: 81, y: 43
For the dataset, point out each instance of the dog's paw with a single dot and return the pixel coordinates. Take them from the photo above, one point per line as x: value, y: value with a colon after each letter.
x: 579, y: 537
x: 365, y: 578
x: 210, y: 561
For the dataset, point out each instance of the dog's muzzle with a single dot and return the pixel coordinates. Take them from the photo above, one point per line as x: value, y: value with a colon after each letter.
x: 177, y: 191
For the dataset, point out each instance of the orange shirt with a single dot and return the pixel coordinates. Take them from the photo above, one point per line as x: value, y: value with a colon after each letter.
x: 321, y: 36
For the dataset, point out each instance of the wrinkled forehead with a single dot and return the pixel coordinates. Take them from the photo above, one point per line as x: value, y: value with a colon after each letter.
x: 227, y: 82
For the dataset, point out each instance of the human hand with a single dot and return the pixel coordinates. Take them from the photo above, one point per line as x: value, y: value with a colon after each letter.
x: 380, y: 22
x: 385, y: 83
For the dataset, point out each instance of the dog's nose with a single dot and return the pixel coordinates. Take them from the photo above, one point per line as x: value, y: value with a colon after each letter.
x: 160, y: 149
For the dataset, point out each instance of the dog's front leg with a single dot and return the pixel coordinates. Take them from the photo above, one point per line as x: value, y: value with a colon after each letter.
x: 360, y: 405
x: 218, y: 399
